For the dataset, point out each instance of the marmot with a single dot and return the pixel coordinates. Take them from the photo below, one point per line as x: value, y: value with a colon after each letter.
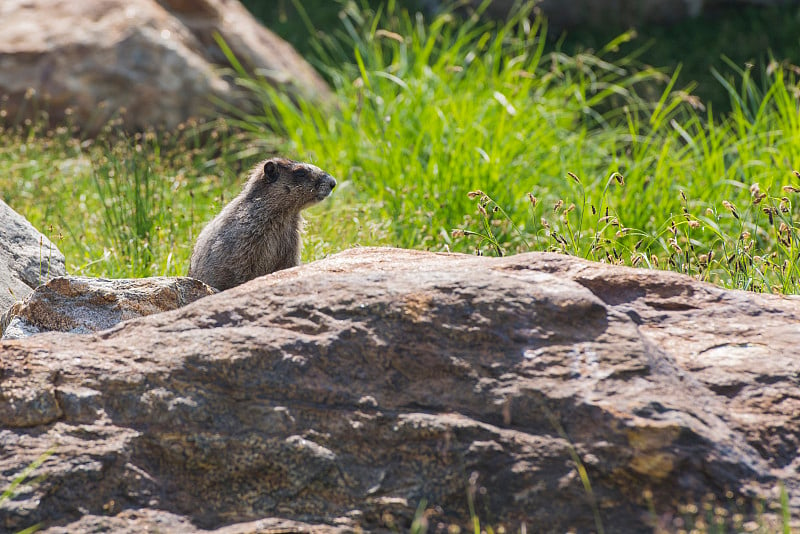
x: 258, y: 232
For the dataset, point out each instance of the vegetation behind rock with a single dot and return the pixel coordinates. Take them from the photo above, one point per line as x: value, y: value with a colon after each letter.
x: 453, y: 135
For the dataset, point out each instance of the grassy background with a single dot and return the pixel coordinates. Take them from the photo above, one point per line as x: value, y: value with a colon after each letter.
x: 119, y: 206
x: 431, y: 113
x: 746, y: 35
x: 432, y: 109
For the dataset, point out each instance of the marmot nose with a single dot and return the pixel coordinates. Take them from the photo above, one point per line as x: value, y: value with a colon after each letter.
x: 331, y: 181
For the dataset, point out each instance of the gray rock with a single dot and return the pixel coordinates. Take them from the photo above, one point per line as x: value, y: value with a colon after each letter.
x: 82, y: 305
x: 160, y: 521
x: 150, y: 62
x: 27, y: 257
x: 344, y: 393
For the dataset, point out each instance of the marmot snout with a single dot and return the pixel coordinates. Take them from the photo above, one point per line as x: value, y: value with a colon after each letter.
x: 258, y: 232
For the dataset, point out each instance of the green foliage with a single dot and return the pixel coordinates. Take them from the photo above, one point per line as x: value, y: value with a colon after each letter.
x: 746, y: 34
x: 427, y: 112
x: 119, y: 206
x: 684, y: 215
x: 290, y: 18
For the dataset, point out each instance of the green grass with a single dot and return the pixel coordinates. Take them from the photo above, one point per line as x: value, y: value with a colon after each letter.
x: 745, y: 35
x: 285, y: 19
x: 428, y: 112
x: 453, y: 135
x: 121, y: 206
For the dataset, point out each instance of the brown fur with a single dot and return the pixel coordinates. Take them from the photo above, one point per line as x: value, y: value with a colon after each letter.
x: 258, y: 232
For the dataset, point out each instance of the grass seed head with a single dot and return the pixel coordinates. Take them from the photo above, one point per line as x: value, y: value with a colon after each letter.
x: 730, y: 207
x: 390, y: 35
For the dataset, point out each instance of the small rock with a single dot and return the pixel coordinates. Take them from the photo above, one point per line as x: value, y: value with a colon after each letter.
x: 83, y: 305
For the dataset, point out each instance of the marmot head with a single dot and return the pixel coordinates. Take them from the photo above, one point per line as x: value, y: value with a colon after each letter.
x: 288, y: 186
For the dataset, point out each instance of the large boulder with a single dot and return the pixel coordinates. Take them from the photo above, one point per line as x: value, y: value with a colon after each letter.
x: 27, y: 257
x: 378, y: 385
x: 150, y: 62
x: 82, y: 305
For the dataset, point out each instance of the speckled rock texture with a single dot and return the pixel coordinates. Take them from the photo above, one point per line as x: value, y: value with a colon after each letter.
x: 83, y: 305
x: 150, y: 63
x: 342, y: 394
x: 27, y: 257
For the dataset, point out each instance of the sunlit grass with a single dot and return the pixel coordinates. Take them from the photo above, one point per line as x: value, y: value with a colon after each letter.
x: 740, y: 231
x: 120, y: 206
x: 426, y: 112
x: 431, y: 110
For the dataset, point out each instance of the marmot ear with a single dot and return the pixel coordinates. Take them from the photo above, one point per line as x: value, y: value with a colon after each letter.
x: 271, y: 171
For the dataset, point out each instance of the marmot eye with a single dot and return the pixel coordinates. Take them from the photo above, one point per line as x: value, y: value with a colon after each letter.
x: 300, y: 173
